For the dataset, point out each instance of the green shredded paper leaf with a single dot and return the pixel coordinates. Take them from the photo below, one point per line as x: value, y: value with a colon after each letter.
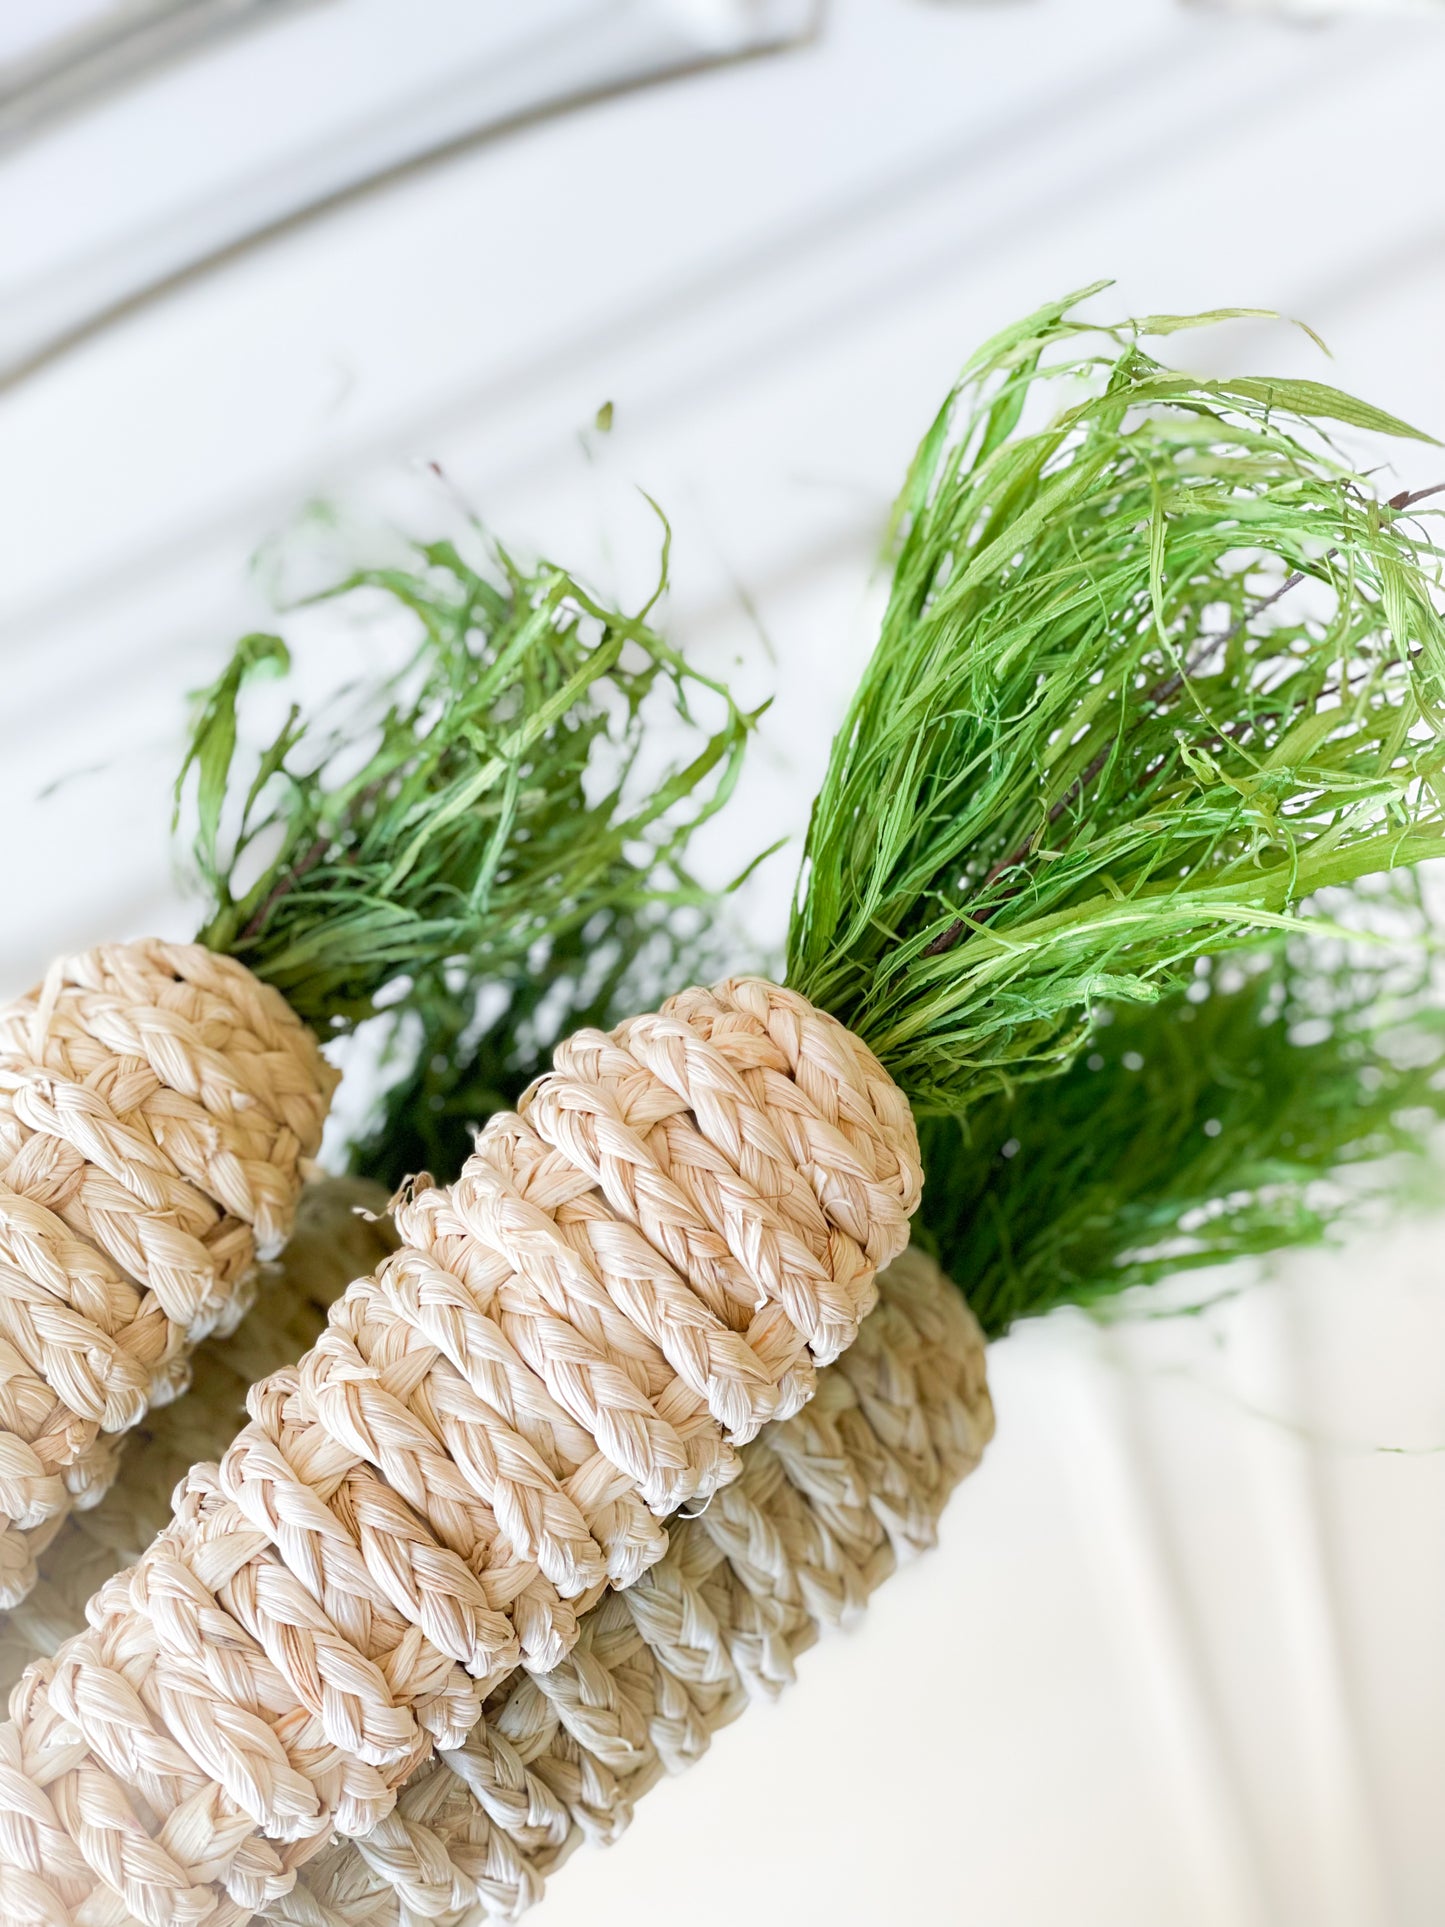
x: 1159, y: 664
x: 497, y: 829
x: 1213, y: 1126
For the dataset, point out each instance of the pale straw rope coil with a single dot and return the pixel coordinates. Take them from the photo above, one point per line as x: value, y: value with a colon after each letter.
x: 626, y: 1282
x: 157, y: 1105
x: 339, y: 1234
x: 825, y: 1503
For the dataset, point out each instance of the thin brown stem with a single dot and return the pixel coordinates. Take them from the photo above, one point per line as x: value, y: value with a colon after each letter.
x: 283, y: 885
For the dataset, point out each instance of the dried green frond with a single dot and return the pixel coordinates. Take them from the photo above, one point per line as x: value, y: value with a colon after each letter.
x: 1207, y: 1127
x: 1152, y: 672
x: 476, y: 817
x: 473, y: 1046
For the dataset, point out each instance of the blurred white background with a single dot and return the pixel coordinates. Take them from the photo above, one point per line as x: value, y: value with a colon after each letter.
x: 1179, y: 1659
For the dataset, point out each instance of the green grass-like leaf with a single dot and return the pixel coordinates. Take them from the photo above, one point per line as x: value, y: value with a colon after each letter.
x: 1150, y: 676
x: 471, y: 1047
x: 478, y: 818
x: 1191, y: 1133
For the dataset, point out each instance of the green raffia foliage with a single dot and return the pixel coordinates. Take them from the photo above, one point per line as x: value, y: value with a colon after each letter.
x: 474, y: 1049
x: 1103, y: 730
x: 490, y: 831
x: 1191, y: 1134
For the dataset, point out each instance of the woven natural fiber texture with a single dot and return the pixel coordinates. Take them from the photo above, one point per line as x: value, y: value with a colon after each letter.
x: 826, y: 1502
x: 628, y: 1280
x: 338, y: 1235
x: 157, y: 1106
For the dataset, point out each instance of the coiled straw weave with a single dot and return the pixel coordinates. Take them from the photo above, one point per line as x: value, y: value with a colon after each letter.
x: 826, y: 1502
x: 157, y: 1105
x: 629, y: 1279
x: 339, y: 1234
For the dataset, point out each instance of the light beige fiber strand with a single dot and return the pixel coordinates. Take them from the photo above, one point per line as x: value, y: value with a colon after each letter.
x: 157, y: 1105
x: 825, y: 1503
x: 331, y: 1243
x: 627, y: 1281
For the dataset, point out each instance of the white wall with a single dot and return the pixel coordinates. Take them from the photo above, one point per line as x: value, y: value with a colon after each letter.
x: 1178, y: 1659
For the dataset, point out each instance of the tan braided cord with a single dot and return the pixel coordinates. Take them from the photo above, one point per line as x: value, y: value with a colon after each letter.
x: 629, y: 1279
x: 157, y: 1106
x: 339, y: 1233
x: 826, y: 1502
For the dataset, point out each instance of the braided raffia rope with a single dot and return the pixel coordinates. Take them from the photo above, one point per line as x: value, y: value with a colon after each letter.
x: 157, y: 1103
x: 338, y: 1235
x: 627, y: 1281
x: 803, y: 1536
x: 825, y: 1502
